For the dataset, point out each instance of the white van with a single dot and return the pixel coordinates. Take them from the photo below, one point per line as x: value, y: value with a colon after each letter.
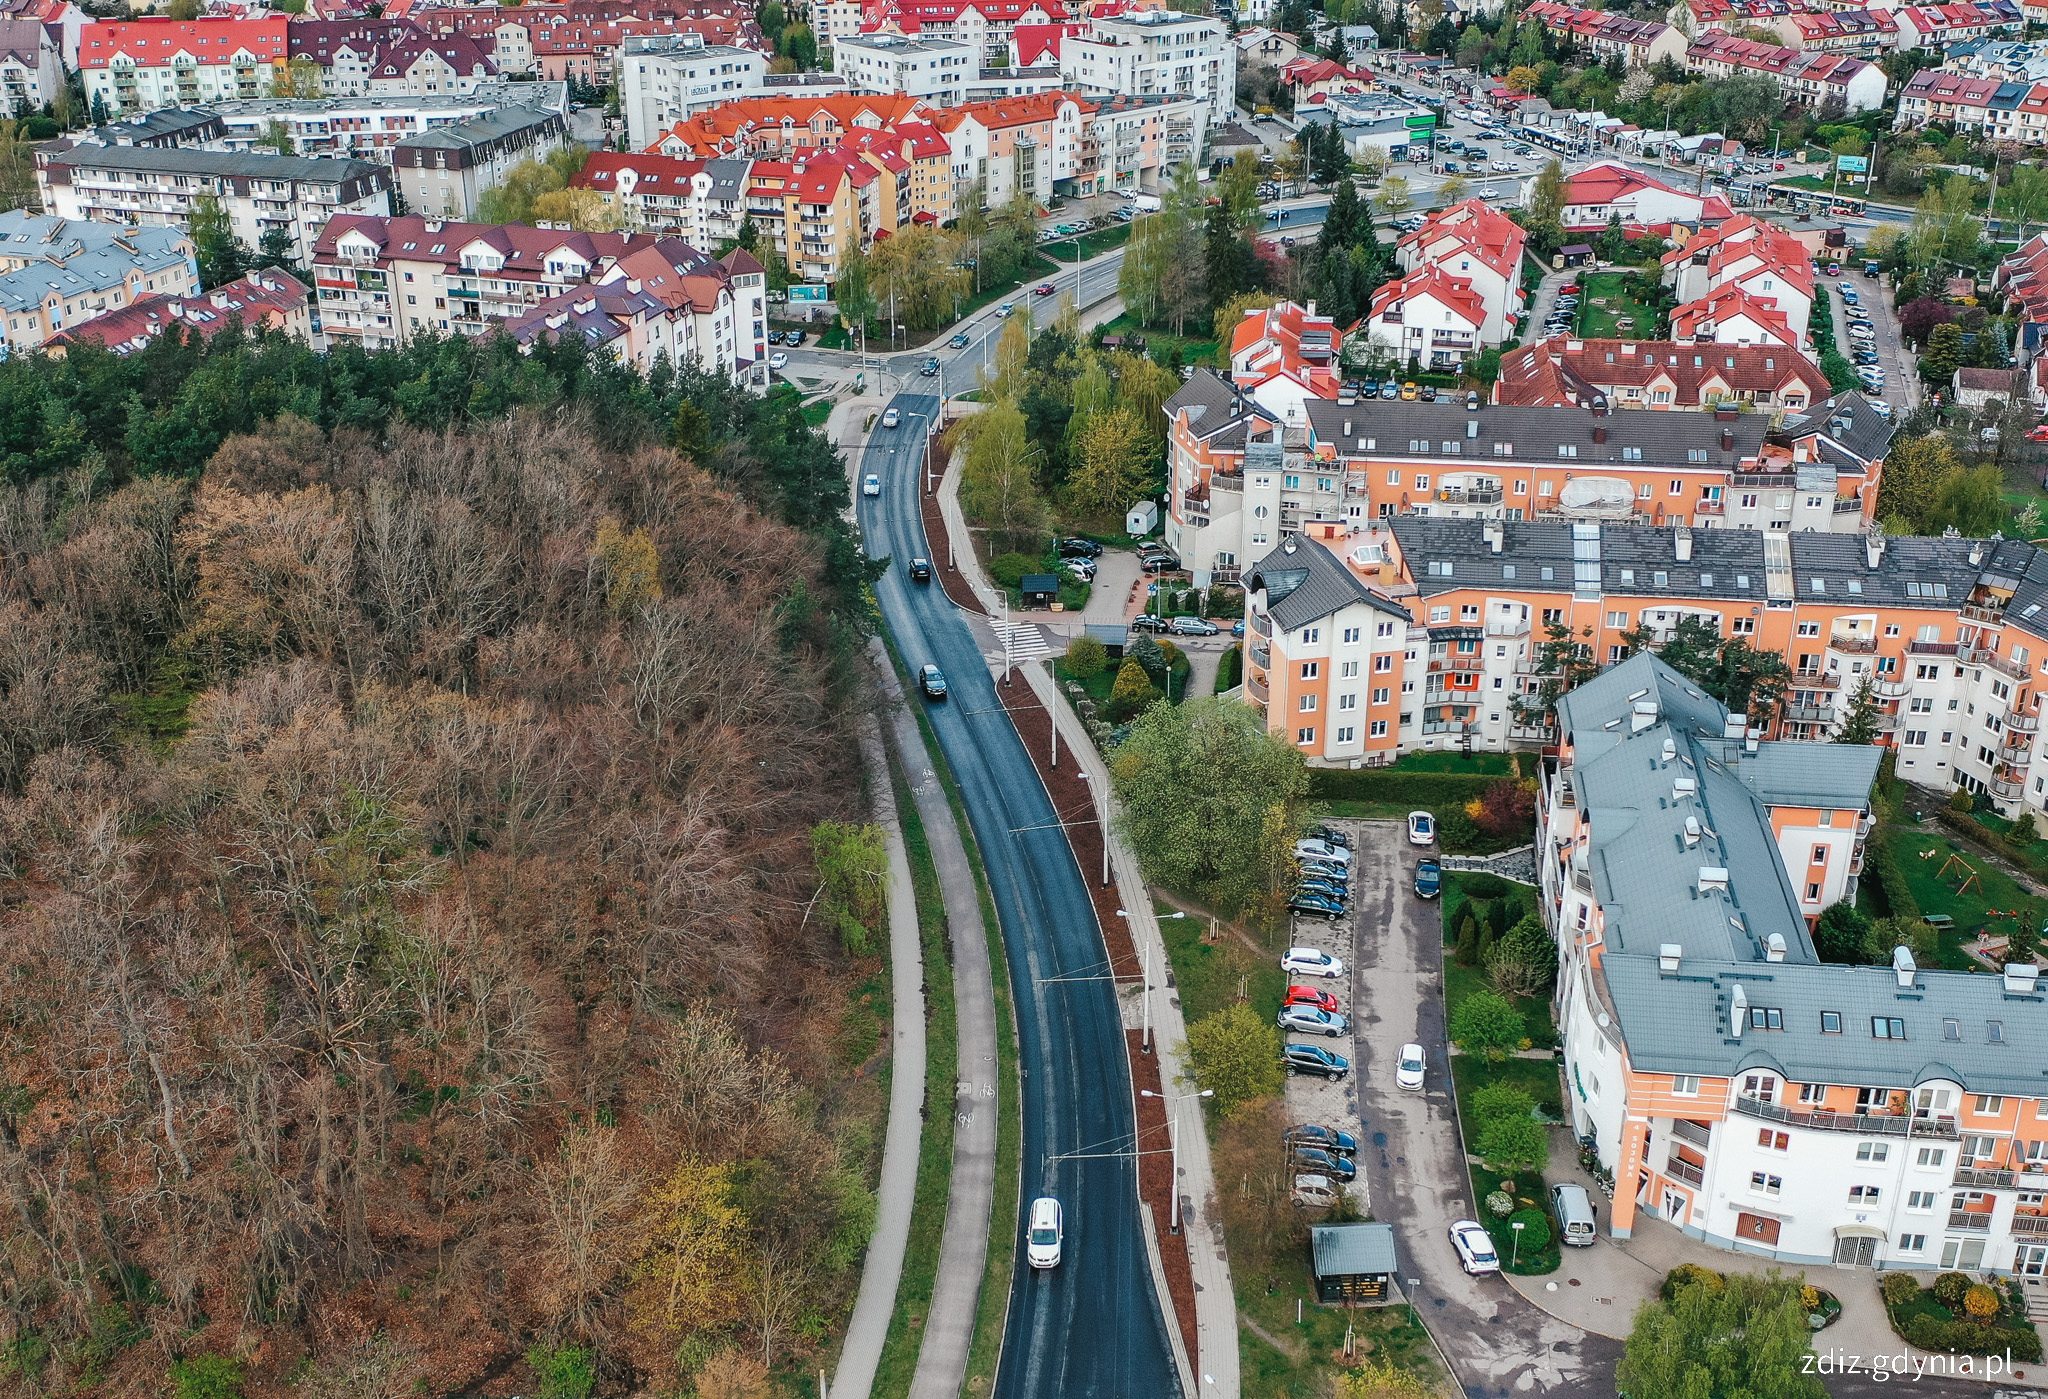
x: 1042, y: 1249
x: 1573, y: 1208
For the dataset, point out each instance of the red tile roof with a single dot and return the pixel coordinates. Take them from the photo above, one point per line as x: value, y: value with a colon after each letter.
x: 152, y: 41
x: 1725, y: 303
x: 270, y: 298
x: 1561, y: 372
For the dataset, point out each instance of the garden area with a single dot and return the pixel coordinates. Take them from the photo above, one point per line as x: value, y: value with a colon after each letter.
x: 1164, y: 346
x: 1483, y: 803
x: 1607, y: 299
x: 1152, y: 668
x: 1948, y: 877
x: 1498, y: 973
x: 1956, y: 1313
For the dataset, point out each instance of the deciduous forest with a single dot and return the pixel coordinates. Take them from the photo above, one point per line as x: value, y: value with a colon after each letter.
x: 413, y: 971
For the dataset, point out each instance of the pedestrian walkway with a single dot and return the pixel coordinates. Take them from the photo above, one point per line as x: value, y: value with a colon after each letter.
x: 1024, y: 641
x: 867, y: 1330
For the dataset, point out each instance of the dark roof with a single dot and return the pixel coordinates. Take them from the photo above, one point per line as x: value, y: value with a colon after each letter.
x: 247, y: 165
x: 1848, y: 421
x: 1535, y: 432
x: 1039, y: 583
x: 1347, y: 1250
x: 481, y: 130
x: 1217, y: 412
x: 1303, y: 580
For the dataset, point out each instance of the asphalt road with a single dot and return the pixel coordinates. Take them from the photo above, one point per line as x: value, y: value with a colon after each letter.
x: 1091, y: 1328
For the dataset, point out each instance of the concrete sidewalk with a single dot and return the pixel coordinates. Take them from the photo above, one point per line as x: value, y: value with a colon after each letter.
x: 1215, y: 1298
x: 875, y: 1305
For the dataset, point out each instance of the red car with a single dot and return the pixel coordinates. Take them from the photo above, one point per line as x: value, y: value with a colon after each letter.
x: 2039, y: 434
x: 1046, y: 289
x: 1310, y: 996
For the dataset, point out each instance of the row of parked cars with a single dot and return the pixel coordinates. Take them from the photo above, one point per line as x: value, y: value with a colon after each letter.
x: 1323, y: 887
x: 1862, y: 347
x: 1564, y: 312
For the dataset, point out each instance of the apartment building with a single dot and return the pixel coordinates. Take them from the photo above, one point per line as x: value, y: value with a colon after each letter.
x: 665, y: 78
x: 56, y: 273
x: 143, y: 64
x: 444, y: 170
x: 1731, y: 316
x: 1737, y: 1088
x: 938, y: 71
x: 1864, y: 33
x: 1638, y: 43
x: 1997, y: 108
x: 811, y: 211
x: 1350, y: 464
x: 1937, y: 26
x: 1428, y: 319
x: 1036, y: 146
x: 1662, y: 376
x: 988, y: 27
x: 1479, y: 245
x: 64, y: 21
x: 533, y: 38
x: 1812, y: 79
x: 259, y: 193
x: 430, y: 65
x: 661, y: 300
x: 784, y: 128
x: 1285, y: 354
x: 1155, y: 53
x: 270, y: 300
x: 369, y: 127
x: 31, y: 66
x: 346, y: 51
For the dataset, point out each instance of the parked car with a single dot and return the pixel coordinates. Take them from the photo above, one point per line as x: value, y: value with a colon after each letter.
x: 1339, y: 875
x: 1145, y: 621
x: 1421, y: 828
x: 1161, y: 563
x: 1333, y: 835
x: 1309, y: 1020
x: 1315, y: 906
x: 1408, y: 1068
x: 1316, y: 1159
x: 1083, y: 569
x: 1080, y: 549
x: 891, y: 417
x: 920, y: 570
x: 1310, y: 996
x: 932, y: 681
x: 1323, y: 1138
x: 1389, y: 391
x: 1310, y: 961
x: 1313, y: 1059
x: 1474, y: 1247
x: 1471, y: 400
x: 1192, y: 626
x: 960, y: 341
x: 795, y: 337
x: 1429, y: 879
x: 871, y: 485
x: 1429, y: 393
x: 1313, y: 849
x: 1315, y: 1192
x: 1047, y: 1229
x: 1323, y: 889
x: 1237, y: 627
x: 778, y: 361
x: 1410, y: 392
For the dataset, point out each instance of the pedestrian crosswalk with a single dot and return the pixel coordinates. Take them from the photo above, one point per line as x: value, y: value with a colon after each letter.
x: 1026, y: 642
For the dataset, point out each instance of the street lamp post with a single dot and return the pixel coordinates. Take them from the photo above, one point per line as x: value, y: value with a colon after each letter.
x: 1173, y: 1138
x: 924, y: 460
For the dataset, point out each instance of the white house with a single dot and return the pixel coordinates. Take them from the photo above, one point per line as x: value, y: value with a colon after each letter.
x: 1480, y: 246
x: 1429, y: 317
x: 1599, y: 192
x: 1155, y: 52
x: 937, y: 70
x: 663, y: 78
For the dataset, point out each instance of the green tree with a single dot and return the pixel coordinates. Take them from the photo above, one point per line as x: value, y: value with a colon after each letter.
x: 1747, y: 680
x: 916, y: 271
x: 1546, y: 205
x: 1513, y: 1145
x: 1860, y: 716
x: 1467, y: 946
x: 1971, y: 501
x: 1331, y: 161
x: 1563, y: 663
x: 221, y: 257
x: 564, y: 1372
x: 1197, y: 783
x: 1235, y: 1055
x: 1943, y: 356
x: 1748, y: 1338
x: 1839, y: 934
x: 1238, y: 189
x: 1485, y: 1024
x: 1132, y: 694
x: 997, y: 487
x: 854, y: 292
x: 1529, y: 947
x: 1915, y: 467
x: 853, y: 882
x: 1393, y: 198
x: 1114, y: 465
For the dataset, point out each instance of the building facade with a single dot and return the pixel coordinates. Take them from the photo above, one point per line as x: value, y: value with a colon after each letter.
x: 445, y: 169
x: 57, y: 273
x: 663, y: 79
x: 141, y: 65
x: 1155, y: 53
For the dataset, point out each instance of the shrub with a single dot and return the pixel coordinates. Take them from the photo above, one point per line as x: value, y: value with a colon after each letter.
x: 1230, y: 670
x: 2023, y: 832
x: 1689, y: 1275
x: 1535, y: 1229
x: 1485, y: 1024
x: 1148, y: 653
x: 1839, y: 935
x: 1132, y: 694
x: 207, y: 1377
x: 566, y: 1373
x: 1485, y: 886
x: 1513, y: 1144
x: 1493, y: 1101
x: 1961, y: 802
x: 1980, y: 1304
x: 1932, y: 1333
x: 1236, y: 1055
x: 1899, y: 1289
x: 1507, y: 807
x: 1500, y: 1203
x: 1488, y: 940
x: 1467, y: 953
x: 1085, y: 657
x: 1009, y: 569
x: 1949, y: 1289
x: 1809, y: 1298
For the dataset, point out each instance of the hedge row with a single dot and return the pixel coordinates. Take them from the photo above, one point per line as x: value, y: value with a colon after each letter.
x: 1881, y: 867
x: 1932, y: 1333
x: 1438, y: 791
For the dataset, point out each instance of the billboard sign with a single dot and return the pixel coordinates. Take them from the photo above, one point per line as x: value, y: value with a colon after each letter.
x: 799, y: 291
x: 1854, y: 164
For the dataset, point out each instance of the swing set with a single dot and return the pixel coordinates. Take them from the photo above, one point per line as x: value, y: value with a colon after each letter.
x: 1969, y: 875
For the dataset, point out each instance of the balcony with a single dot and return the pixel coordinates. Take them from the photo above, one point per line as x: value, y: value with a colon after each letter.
x: 1848, y: 505
x: 1888, y: 689
x: 1810, y: 713
x: 1261, y: 624
x: 1816, y: 680
x: 1510, y: 627
x: 1931, y: 648
x: 2030, y: 1224
x: 1709, y: 507
x: 2008, y: 791
x: 1868, y: 1124
x: 1976, y: 1178
x: 1766, y: 482
x: 1258, y: 688
x: 1678, y: 1168
x: 1979, y: 612
x: 1262, y: 657
x: 1695, y: 1132
x: 1990, y: 659
x: 1470, y: 495
x: 1852, y: 643
x: 2022, y: 721
x: 1970, y: 1221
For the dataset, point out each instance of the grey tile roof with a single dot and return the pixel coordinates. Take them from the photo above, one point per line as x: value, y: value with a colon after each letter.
x: 1810, y: 774
x: 1217, y: 413
x: 247, y: 165
x: 1848, y: 420
x: 1344, y: 1250
x: 728, y: 179
x: 1533, y: 433
x: 479, y: 130
x: 1303, y: 580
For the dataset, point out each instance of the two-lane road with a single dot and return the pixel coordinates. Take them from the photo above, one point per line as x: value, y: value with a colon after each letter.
x: 1091, y: 1328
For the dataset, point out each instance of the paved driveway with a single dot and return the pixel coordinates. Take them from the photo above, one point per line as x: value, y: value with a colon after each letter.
x: 1901, y: 370
x: 1411, y: 1156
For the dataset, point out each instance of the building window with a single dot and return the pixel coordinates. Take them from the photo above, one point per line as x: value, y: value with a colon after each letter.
x: 1771, y: 1140
x: 1921, y: 1199
x: 1382, y: 664
x: 1304, y: 735
x: 1308, y: 704
x: 1381, y: 695
x: 1873, y: 1153
x: 1887, y: 1027
x: 1685, y: 1085
x: 1311, y: 669
x: 1379, y: 728
x: 1831, y: 1022
x: 1863, y: 1196
x: 1988, y: 1105
x: 1346, y: 735
x: 1765, y: 1184
x: 1933, y: 1157
x: 1912, y: 1243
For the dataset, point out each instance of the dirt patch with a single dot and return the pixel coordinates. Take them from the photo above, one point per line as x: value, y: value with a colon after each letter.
x: 944, y: 548
x: 1156, y: 1186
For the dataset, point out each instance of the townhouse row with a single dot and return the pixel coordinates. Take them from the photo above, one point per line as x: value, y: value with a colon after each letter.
x: 1834, y: 27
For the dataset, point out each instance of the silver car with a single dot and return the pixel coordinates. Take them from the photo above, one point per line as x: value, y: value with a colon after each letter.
x: 1313, y: 1020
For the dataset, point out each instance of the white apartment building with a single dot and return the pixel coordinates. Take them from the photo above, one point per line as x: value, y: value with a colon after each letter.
x: 156, y: 188
x: 143, y: 64
x: 1155, y: 53
x: 938, y: 70
x: 370, y: 126
x: 31, y: 66
x: 664, y: 78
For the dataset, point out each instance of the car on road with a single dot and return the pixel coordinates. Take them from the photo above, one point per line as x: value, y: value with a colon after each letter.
x: 1310, y: 996
x: 1042, y: 1248
x: 1315, y: 906
x: 920, y: 570
x: 1316, y: 1159
x: 930, y: 369
x: 891, y: 418
x: 1311, y: 961
x: 2039, y: 434
x: 1429, y: 879
x: 1008, y: 308
x: 1474, y: 1247
x: 1313, y: 849
x: 1192, y: 626
x: 778, y: 361
x: 870, y: 485
x: 1408, y: 1067
x: 1315, y: 1192
x: 932, y: 681
x: 1313, y: 1059
x: 1044, y: 289
x: 960, y: 341
x: 1421, y: 828
x: 1080, y: 549
x: 1311, y: 1020
x: 1324, y: 1138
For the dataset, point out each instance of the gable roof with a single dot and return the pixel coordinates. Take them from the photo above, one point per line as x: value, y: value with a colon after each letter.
x: 1568, y: 371
x: 1303, y: 581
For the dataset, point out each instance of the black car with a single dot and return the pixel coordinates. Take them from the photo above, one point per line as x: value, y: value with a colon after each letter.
x: 1145, y: 621
x: 1320, y: 889
x: 1161, y: 563
x: 795, y: 337
x: 930, y: 369
x: 920, y: 570
x: 1323, y: 1138
x: 932, y: 682
x: 1332, y: 836
x: 1080, y: 549
x: 1311, y: 1158
x: 1429, y: 879
x: 1315, y: 906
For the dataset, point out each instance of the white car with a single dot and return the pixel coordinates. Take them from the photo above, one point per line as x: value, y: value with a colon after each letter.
x: 871, y: 485
x: 1316, y: 1192
x: 1313, y: 1020
x: 1421, y: 828
x: 1474, y: 1247
x: 891, y: 418
x: 1006, y: 309
x: 1408, y: 1068
x: 1321, y: 850
x: 1047, y: 1229
x: 1308, y: 961
x: 778, y: 360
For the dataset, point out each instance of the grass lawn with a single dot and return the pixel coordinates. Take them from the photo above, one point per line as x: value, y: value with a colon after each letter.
x: 1160, y: 344
x: 1208, y: 974
x: 816, y: 413
x: 1531, y: 1193
x: 1617, y: 289
x: 1460, y: 982
x: 1536, y: 1077
x: 1454, y: 762
x: 1092, y: 244
x: 1921, y: 853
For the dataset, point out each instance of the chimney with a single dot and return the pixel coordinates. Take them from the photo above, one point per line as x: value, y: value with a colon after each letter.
x: 1727, y: 439
x: 1735, y: 726
x: 1642, y: 714
x: 1976, y: 553
x: 1681, y: 540
x: 1311, y: 308
x: 1684, y: 789
x: 1725, y: 415
x: 1903, y: 968
x: 1599, y: 432
x: 2020, y: 978
x: 1713, y: 877
x: 1774, y: 948
x: 1670, y: 749
x: 1693, y: 830
x: 1668, y: 956
x: 1493, y: 535
x: 1873, y: 548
